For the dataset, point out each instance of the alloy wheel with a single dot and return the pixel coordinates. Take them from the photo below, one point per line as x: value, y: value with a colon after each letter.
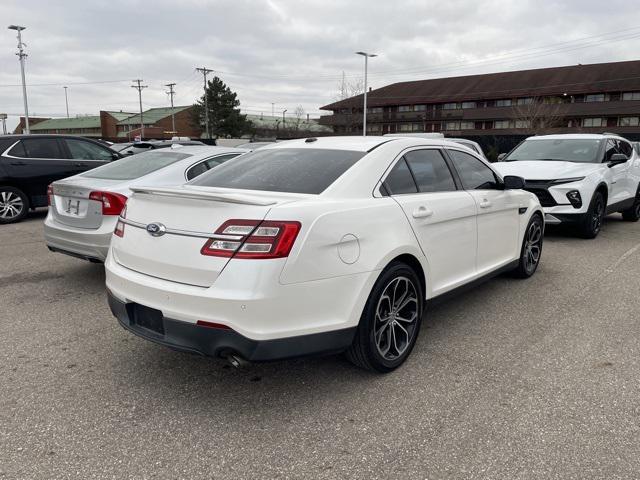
x: 396, y: 318
x: 533, y: 246
x: 597, y: 216
x: 11, y: 205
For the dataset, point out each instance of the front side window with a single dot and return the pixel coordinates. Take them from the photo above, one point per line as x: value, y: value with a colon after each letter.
x: 430, y: 171
x: 400, y: 180
x: 292, y: 170
x: 136, y: 166
x: 41, y: 148
x: 81, y: 150
x: 625, y: 148
x: 474, y: 174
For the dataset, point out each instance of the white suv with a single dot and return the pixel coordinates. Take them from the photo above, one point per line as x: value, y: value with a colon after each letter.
x: 579, y: 178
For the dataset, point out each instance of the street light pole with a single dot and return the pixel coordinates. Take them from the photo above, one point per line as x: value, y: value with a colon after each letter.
x: 66, y: 100
x: 364, y: 111
x: 22, y: 56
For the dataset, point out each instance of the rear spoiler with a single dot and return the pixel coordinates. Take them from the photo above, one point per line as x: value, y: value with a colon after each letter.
x: 204, y: 195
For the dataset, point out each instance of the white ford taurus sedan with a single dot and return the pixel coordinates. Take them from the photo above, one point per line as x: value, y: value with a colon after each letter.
x: 84, y: 208
x: 317, y: 245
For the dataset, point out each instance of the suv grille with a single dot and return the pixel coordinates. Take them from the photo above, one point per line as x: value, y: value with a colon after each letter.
x: 539, y: 188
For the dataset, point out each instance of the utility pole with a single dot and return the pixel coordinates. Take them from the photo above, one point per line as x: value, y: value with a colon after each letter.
x: 22, y: 56
x: 140, y: 87
x: 364, y: 110
x: 205, y: 71
x: 171, y: 93
x: 3, y: 117
x: 273, y: 109
x: 283, y: 120
x: 66, y: 100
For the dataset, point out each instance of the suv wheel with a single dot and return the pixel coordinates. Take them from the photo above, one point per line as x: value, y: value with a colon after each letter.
x: 592, y: 220
x: 632, y: 214
x: 14, y: 205
x: 390, y: 322
x: 531, y: 248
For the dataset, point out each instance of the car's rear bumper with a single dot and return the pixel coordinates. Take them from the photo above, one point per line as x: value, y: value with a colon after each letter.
x: 89, y: 244
x: 216, y: 342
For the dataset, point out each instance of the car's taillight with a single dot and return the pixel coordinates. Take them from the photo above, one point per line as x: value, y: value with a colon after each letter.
x: 253, y: 239
x: 119, y: 230
x: 112, y: 203
x: 49, y: 195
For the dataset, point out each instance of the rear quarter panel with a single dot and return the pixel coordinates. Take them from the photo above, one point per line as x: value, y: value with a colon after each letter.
x: 345, y: 238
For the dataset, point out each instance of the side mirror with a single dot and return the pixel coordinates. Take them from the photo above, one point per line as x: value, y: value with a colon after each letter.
x: 115, y: 156
x: 501, y: 156
x: 513, y: 182
x: 617, y: 159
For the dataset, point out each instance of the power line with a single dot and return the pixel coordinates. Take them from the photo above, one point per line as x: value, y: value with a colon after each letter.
x: 63, y: 84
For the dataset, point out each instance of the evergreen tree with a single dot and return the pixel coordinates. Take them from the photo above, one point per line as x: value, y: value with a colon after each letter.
x: 225, y: 119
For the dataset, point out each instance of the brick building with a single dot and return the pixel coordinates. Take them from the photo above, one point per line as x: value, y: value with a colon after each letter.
x: 499, y: 109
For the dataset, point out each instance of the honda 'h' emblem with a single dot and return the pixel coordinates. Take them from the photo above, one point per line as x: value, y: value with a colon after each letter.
x: 156, y: 229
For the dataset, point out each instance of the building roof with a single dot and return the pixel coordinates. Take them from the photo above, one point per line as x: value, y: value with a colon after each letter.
x: 90, y: 121
x: 574, y: 79
x: 120, y: 115
x: 274, y: 123
x: 152, y: 115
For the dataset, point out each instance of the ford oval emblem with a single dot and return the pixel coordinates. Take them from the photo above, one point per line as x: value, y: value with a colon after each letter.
x: 156, y: 229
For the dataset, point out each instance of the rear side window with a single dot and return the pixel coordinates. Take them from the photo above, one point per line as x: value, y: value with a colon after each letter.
x: 136, y: 166
x: 430, y: 171
x: 400, y: 180
x: 292, y: 170
x: 41, y: 148
x: 18, y: 150
x: 475, y: 175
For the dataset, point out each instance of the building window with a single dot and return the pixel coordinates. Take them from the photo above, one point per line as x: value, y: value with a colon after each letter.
x: 451, y: 126
x: 500, y: 124
x: 375, y: 109
x: 596, y: 97
x: 506, y: 102
x: 467, y: 125
x: 405, y: 108
x: 628, y: 121
x: 523, y: 123
x: 419, y: 108
x: 417, y: 127
x: 404, y: 127
x: 525, y: 101
x: 374, y: 127
x: 592, y: 122
x: 450, y: 106
x: 631, y: 96
x: 468, y: 104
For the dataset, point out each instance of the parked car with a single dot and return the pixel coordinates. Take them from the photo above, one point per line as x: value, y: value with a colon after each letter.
x: 29, y: 163
x: 475, y: 146
x: 133, y: 148
x: 84, y: 208
x: 317, y: 245
x: 579, y: 178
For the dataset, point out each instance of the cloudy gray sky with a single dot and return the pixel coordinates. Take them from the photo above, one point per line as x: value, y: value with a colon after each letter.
x: 288, y: 52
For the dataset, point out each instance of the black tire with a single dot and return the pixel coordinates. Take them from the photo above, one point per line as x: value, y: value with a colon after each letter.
x: 591, y: 223
x: 14, y: 205
x: 366, y: 351
x: 632, y: 214
x: 531, y: 250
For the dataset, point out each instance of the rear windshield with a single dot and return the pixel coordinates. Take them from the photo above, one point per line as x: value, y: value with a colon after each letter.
x: 563, y: 149
x: 292, y: 170
x: 136, y: 166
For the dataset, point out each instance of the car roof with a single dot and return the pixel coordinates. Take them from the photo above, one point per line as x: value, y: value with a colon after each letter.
x: 576, y: 136
x: 203, y: 149
x: 361, y: 143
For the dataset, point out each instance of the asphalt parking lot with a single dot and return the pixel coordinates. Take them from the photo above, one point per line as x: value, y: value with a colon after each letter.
x: 514, y: 379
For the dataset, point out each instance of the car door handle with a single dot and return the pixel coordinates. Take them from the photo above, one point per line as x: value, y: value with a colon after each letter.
x: 18, y: 164
x: 422, y: 212
x: 485, y: 203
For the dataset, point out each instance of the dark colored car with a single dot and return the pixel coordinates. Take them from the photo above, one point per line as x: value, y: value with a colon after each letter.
x: 29, y: 163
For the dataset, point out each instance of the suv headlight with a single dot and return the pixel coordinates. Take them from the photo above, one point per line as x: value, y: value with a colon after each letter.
x: 560, y: 181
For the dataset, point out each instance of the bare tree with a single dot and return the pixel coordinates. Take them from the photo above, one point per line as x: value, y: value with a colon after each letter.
x: 537, y: 115
x: 299, y: 114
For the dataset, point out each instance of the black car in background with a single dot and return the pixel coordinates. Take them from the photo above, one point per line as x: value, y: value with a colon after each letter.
x: 29, y: 163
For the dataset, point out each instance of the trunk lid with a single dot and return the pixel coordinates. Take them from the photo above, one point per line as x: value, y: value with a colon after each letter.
x: 71, y: 204
x: 190, y: 216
